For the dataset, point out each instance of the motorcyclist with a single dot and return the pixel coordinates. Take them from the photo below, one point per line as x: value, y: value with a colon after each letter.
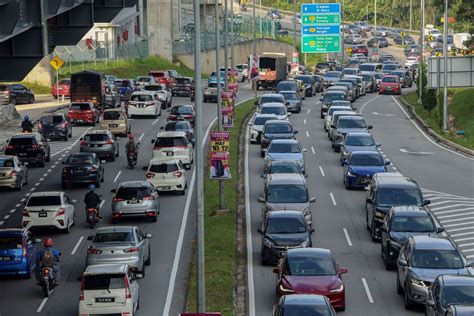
x: 26, y: 124
x: 44, y: 260
x: 92, y: 200
x: 131, y: 147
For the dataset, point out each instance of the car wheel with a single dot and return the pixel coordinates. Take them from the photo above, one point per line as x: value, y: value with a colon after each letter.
x: 20, y: 185
x: 154, y: 218
x: 142, y: 271
x: 148, y: 259
x: 346, y: 184
x: 48, y: 158
x: 406, y: 300
x: 372, y: 231
x: 65, y: 138
x: 182, y: 192
x: 97, y: 183
x: 102, y: 179
x: 399, y: 287
x: 26, y: 179
x: 31, y: 100
x: 112, y: 157
x: 367, y: 219
x: 386, y: 260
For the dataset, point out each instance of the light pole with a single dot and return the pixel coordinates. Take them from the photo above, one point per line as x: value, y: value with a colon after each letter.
x: 342, y: 36
x: 260, y: 17
x: 445, y: 56
x: 254, y: 50
x: 422, y: 37
x: 294, y: 26
x: 232, y: 62
x: 411, y: 15
x: 375, y: 15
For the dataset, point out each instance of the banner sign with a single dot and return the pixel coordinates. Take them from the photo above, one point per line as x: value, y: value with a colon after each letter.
x: 219, y: 156
x: 227, y: 101
x: 233, y: 80
x: 254, y: 62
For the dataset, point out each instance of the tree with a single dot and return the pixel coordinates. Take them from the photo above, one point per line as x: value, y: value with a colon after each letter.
x: 429, y: 100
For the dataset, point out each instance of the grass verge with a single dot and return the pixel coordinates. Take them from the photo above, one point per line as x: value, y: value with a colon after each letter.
x: 220, y: 231
x: 461, y: 109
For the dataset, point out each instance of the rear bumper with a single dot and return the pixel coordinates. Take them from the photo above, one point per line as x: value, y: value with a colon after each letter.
x: 89, y: 178
x: 99, y: 151
x: 133, y: 262
x: 76, y: 120
x: 55, y: 133
x: 9, y: 183
x: 151, y: 110
x: 126, y: 309
x: 12, y: 269
x: 166, y: 186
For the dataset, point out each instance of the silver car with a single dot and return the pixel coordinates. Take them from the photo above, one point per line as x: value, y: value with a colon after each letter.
x: 286, y: 149
x: 120, y: 245
x: 102, y: 143
x: 13, y: 173
x: 135, y: 198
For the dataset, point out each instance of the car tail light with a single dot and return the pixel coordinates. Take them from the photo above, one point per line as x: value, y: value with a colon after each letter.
x: 148, y: 198
x: 109, y: 141
x: 94, y: 168
x: 93, y: 251
x: 25, y: 212
x: 23, y: 249
x: 116, y: 199
x: 81, y: 295
x: 128, y: 294
x: 171, y: 116
x: 61, y: 211
x: 9, y: 147
x: 131, y: 249
x: 150, y: 214
x: 83, y: 142
x: 35, y: 146
x: 13, y: 174
x: 177, y: 174
x: 149, y: 175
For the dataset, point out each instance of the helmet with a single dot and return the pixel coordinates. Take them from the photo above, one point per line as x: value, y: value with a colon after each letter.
x: 91, y: 187
x: 131, y: 136
x: 26, y: 117
x: 48, y: 242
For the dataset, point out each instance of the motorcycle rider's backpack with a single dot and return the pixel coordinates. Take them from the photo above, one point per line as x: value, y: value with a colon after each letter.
x: 131, y: 147
x: 48, y: 259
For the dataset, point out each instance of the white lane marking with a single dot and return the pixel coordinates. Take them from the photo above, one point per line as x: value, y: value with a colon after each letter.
x: 436, y: 209
x: 41, y: 179
x: 77, y: 245
x: 37, y: 184
x: 458, y: 229
x: 459, y: 224
x: 53, y: 166
x: 382, y: 114
x: 6, y: 216
x: 463, y: 239
x: 13, y: 210
x: 364, y: 105
x: 18, y: 205
x: 453, y: 215
x: 49, y: 170
x: 394, y: 168
x: 309, y: 110
x: 304, y: 121
x: 333, y: 199
x: 383, y: 155
x: 470, y: 256
x: 28, y: 194
x: 56, y: 163
x: 406, y: 151
x: 32, y: 189
x: 45, y: 175
x: 73, y: 144
x: 322, y: 171
x: 424, y: 134
x: 367, y: 290
x: 349, y: 242
x: 1, y: 223
x: 466, y: 245
x: 117, y: 176
x: 155, y: 121
x: 456, y: 220
x: 22, y: 200
x: 141, y: 137
x: 101, y: 203
x: 43, y: 302
x: 312, y: 149
x: 462, y: 234
x: 447, y: 194
x: 307, y: 134
x: 468, y: 250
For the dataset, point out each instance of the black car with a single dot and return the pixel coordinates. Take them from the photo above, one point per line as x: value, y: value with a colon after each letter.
x: 183, y: 86
x: 180, y: 126
x: 83, y: 168
x: 400, y: 223
x: 319, y: 83
x: 303, y: 304
x: 381, y: 41
x: 324, y: 67
x: 386, y: 190
x: 287, y: 85
x: 327, y: 99
x: 275, y: 129
x: 55, y: 126
x: 310, y: 85
x: 331, y: 77
x: 283, y: 230
x: 451, y: 295
x: 29, y: 147
x: 15, y: 94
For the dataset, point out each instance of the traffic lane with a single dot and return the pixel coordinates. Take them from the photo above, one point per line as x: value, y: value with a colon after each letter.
x: 416, y: 156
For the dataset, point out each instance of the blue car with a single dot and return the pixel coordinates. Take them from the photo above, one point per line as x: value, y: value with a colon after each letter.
x: 360, y: 166
x: 213, y: 77
x: 17, y: 252
x: 360, y: 141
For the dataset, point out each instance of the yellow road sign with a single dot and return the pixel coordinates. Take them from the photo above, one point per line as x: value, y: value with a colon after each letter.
x: 349, y: 50
x: 56, y: 62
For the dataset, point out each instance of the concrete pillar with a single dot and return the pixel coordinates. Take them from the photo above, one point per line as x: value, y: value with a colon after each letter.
x: 42, y: 74
x: 160, y: 27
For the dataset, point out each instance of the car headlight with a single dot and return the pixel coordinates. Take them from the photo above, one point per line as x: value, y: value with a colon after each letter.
x: 286, y: 290
x: 379, y: 215
x: 338, y: 289
x: 350, y: 174
x: 345, y: 153
x: 417, y: 282
x: 324, y: 106
x: 306, y: 243
x: 207, y: 92
x: 307, y: 211
x: 301, y: 162
x: 268, y: 243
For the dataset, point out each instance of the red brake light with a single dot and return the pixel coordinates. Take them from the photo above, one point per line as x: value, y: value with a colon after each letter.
x: 83, y: 142
x: 9, y: 147
x: 93, y: 251
x: 149, y: 175
x: 81, y: 296
x: 127, y: 288
x: 61, y: 211
x: 149, y: 198
x: 23, y: 248
x: 131, y: 249
x: 116, y: 199
x: 25, y: 212
x: 177, y: 174
x: 109, y: 141
x: 35, y: 146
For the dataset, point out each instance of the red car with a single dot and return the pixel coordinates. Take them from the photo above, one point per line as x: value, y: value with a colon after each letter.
x: 182, y: 113
x: 83, y: 112
x: 390, y: 85
x: 162, y: 77
x: 311, y: 271
x: 63, y: 88
x: 362, y: 49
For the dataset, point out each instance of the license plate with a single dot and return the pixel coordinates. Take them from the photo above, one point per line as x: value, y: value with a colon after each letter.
x: 43, y: 214
x: 165, y: 188
x: 389, y: 88
x: 113, y: 125
x: 105, y: 299
x: 80, y: 121
x: 77, y: 171
x: 169, y: 153
x: 5, y: 258
x: 22, y: 154
x: 133, y: 202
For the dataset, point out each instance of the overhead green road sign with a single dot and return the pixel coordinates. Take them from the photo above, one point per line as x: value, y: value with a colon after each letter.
x: 321, y: 19
x: 321, y: 44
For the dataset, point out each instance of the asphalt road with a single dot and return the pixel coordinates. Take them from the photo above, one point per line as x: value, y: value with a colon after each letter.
x: 22, y: 297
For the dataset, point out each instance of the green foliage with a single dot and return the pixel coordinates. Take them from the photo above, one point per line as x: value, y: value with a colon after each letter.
x: 428, y: 99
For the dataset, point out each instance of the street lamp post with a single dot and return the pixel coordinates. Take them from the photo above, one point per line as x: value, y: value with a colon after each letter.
x: 294, y: 26
x: 445, y: 56
x: 422, y: 37
x: 232, y: 61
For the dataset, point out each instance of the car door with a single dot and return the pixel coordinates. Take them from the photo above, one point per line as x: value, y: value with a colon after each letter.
x: 403, y: 270
x: 20, y: 92
x: 30, y: 249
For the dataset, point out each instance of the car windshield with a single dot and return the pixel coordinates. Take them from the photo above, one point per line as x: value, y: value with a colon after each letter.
x: 305, y: 79
x: 270, y: 99
x: 458, y: 294
x: 333, y: 96
x: 6, y: 163
x: 183, y: 81
x: 285, y: 86
x: 278, y: 128
x: 7, y: 242
x: 390, y: 79
x: 104, y: 282
x: 436, y: 259
x: 277, y: 110
x: 283, y: 193
x: 171, y: 142
x: 366, y: 160
x: 313, y: 310
x: 133, y: 192
x: 96, y: 137
x: 290, y: 96
x: 113, y: 237
x: 349, y: 71
x: 367, y: 67
x: 399, y: 74
x: 112, y: 115
x: 53, y: 119
x: 44, y: 200
x: 387, y: 197
x: 335, y: 109
x: 80, y: 107
x: 333, y: 74
x: 311, y: 265
x: 177, y: 126
x: 284, y: 168
x: 359, y: 140
x: 285, y: 225
x: 153, y: 87
x: 284, y: 148
x: 390, y: 67
x: 79, y: 160
x: 141, y: 98
x: 260, y: 121
x: 417, y: 224
x: 182, y: 110
x: 351, y: 123
x: 164, y: 168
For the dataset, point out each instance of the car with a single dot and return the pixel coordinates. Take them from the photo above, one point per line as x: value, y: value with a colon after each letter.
x: 183, y: 112
x: 411, y: 48
x: 328, y: 98
x: 311, y: 271
x: 120, y: 245
x: 101, y: 142
x: 182, y: 86
x: 402, y: 222
x: 162, y: 77
x: 360, y: 49
x: 421, y: 260
x: 285, y: 149
x: 381, y: 31
x: 167, y: 175
x: 331, y: 77
x: 82, y: 168
x: 163, y: 92
x: 274, y: 14
x: 112, y: 97
x: 410, y: 61
x: 142, y: 81
x: 170, y: 145
x: 360, y: 166
x: 386, y: 190
x: 109, y: 289
x: 18, y: 250
x: 388, y: 67
x: 357, y: 141
x: 281, y: 231
x: 275, y: 129
x: 243, y: 68
x: 303, y: 304
x: 281, y: 166
x: 53, y: 209
x: 450, y: 290
x: 180, y: 126
x: 310, y: 85
x: 55, y: 125
x: 370, y: 81
x: 62, y: 88
x: 13, y: 173
x: 135, y: 198
x: 400, y: 40
x: 270, y: 98
x: 405, y: 77
x: 343, y: 87
x: 319, y: 82
x: 357, y: 90
x: 359, y: 83
x: 239, y: 73
x: 293, y: 101
x: 116, y: 122
x: 125, y: 88
x: 256, y: 126
x: 324, y: 67
x: 83, y: 112
x: 379, y: 41
x: 390, y: 84
x: 15, y: 94
x: 287, y: 192
x: 144, y: 103
x: 289, y: 85
x: 30, y: 148
x: 370, y: 67
x: 110, y: 79
x: 210, y: 92
x: 333, y: 121
x: 347, y: 124
x: 278, y: 109
x: 333, y: 108
x: 378, y: 76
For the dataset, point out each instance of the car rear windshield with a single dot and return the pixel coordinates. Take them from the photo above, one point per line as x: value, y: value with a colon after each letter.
x: 387, y: 197
x: 164, y: 168
x: 181, y: 110
x: 287, y: 193
x: 305, y: 79
x: 112, y: 115
x: 333, y: 74
x: 131, y: 192
x: 417, y: 224
x: 65, y: 81
x: 289, y: 225
x: 284, y: 168
x: 437, y: 259
x: 366, y: 160
x: 6, y: 163
x: 153, y: 88
x: 183, y: 81
x: 53, y: 119
x: 171, y: 142
x: 390, y: 67
x: 22, y: 141
x: 44, y: 200
x: 284, y: 148
x: 277, y: 110
x: 390, y: 79
x: 359, y: 140
x: 141, y: 98
x: 104, y: 282
x: 96, y: 137
x: 79, y: 160
x: 80, y: 107
x: 367, y: 67
x: 270, y: 99
x: 313, y: 310
x: 351, y: 123
x: 366, y: 77
x: 10, y: 242
x: 333, y: 109
x: 289, y: 96
x: 334, y: 96
x: 260, y: 121
x: 278, y: 128
x: 290, y: 86
x: 312, y: 265
x: 113, y: 237
x: 458, y: 294
x: 177, y: 126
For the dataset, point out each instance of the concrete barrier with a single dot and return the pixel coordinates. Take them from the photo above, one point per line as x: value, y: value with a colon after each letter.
x: 8, y: 112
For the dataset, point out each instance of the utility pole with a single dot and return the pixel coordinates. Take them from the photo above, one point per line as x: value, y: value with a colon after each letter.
x: 343, y: 26
x: 445, y: 56
x: 260, y: 17
x: 199, y: 167
x: 232, y: 61
x: 422, y: 36
x: 375, y: 15
x: 294, y: 27
x: 411, y: 14
x: 254, y: 24
x: 226, y: 88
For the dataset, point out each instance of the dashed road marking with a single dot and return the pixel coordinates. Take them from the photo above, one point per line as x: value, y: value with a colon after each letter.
x: 155, y: 121
x: 13, y: 210
x: 117, y: 176
x: 309, y: 110
x: 312, y: 149
x: 6, y: 216
x: 43, y: 302
x: 18, y: 205
x: 349, y: 242
x: 367, y: 291
x: 304, y: 121
x: 333, y: 199
x: 32, y: 189
x: 41, y: 179
x: 77, y: 245
x: 49, y: 170
x: 307, y: 134
x: 37, y: 184
x: 22, y: 200
x: 141, y: 136
x: 322, y: 171
x: 1, y: 223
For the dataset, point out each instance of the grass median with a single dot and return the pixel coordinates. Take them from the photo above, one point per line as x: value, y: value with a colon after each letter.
x: 220, y: 240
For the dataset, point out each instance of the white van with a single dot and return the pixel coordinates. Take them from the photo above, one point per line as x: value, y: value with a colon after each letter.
x: 170, y: 145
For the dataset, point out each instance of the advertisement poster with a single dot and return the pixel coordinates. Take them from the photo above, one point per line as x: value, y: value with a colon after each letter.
x: 254, y: 62
x: 227, y: 98
x: 233, y: 80
x: 220, y: 165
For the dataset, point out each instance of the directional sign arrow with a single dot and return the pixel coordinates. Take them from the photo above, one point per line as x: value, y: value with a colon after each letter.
x: 403, y: 150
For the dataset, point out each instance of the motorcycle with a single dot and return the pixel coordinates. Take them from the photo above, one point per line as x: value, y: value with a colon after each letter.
x: 48, y: 281
x: 132, y: 159
x: 92, y: 216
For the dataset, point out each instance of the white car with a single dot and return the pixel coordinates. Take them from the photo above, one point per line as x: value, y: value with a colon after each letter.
x: 171, y: 145
x: 278, y: 109
x: 144, y: 103
x: 356, y: 39
x: 49, y: 209
x: 332, y: 109
x: 109, y: 289
x: 256, y: 126
x: 164, y: 94
x: 167, y: 175
x: 410, y: 61
x: 244, y: 69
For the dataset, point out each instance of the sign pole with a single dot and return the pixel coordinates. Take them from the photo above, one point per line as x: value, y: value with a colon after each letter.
x: 57, y: 84
x: 445, y: 57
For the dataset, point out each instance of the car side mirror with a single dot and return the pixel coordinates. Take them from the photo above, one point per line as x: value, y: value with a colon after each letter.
x: 289, y: 114
x: 138, y: 275
x: 333, y: 126
x: 113, y: 191
x: 370, y: 127
x: 162, y: 127
x: 439, y: 230
x: 384, y: 228
x: 260, y: 231
x: 312, y: 200
x: 306, y: 175
x: 387, y: 162
x: 103, y: 161
x: 276, y: 270
x: 426, y: 202
x: 90, y: 237
x: 402, y: 262
x: 255, y: 102
x: 262, y: 176
x: 368, y: 201
x: 81, y: 138
x: 304, y: 150
x: 152, y: 141
x: 312, y: 230
x: 343, y: 270
x: 321, y: 99
x: 148, y: 235
x: 378, y: 145
x: 261, y: 200
x: 295, y: 132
